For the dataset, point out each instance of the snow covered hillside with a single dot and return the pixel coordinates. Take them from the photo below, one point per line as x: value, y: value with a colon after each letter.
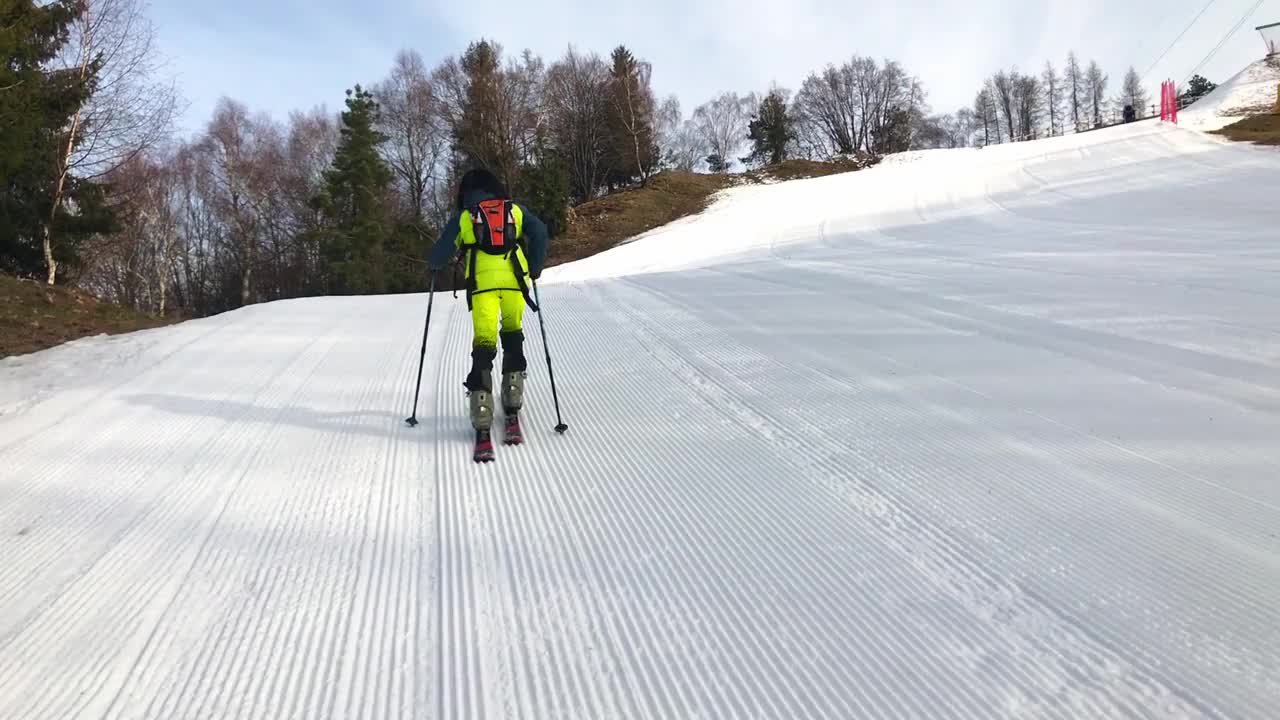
x: 974, y: 434
x: 1251, y: 92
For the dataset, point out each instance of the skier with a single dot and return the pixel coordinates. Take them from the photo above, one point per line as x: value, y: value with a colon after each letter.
x: 502, y: 246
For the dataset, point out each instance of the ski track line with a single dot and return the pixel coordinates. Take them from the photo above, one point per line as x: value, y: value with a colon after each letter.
x: 256, y: 580
x: 1034, y: 442
x: 1224, y: 649
x: 354, y: 666
x: 1080, y: 322
x: 631, y: 628
x: 241, y: 468
x: 1105, y: 359
x: 994, y: 329
x: 251, y: 613
x: 130, y: 460
x: 990, y: 227
x: 554, y: 517
x: 456, y: 674
x: 744, y: 627
x: 887, y: 620
x: 958, y: 293
x: 676, y: 684
x: 426, y: 632
x: 257, y: 692
x: 138, y: 606
x: 77, y: 405
x: 378, y: 623
x: 899, y: 689
x: 692, y: 342
x: 160, y: 637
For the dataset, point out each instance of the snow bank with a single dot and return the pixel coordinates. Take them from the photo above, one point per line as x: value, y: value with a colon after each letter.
x: 759, y: 221
x: 1251, y: 92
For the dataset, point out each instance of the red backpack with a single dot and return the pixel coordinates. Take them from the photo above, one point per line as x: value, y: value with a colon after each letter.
x: 494, y: 225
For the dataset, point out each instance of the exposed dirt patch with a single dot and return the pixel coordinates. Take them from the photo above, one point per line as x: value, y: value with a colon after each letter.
x: 35, y: 316
x: 1260, y: 129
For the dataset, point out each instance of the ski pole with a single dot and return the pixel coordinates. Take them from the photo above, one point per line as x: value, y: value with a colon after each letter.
x: 561, y: 427
x: 413, y: 419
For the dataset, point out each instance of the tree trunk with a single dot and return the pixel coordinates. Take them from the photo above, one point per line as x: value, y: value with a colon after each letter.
x: 245, y: 279
x: 64, y: 162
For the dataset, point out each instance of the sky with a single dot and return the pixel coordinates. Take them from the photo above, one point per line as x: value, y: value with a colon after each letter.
x: 282, y: 55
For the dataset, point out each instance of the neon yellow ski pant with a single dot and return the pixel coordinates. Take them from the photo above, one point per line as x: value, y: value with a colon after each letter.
x: 486, y: 307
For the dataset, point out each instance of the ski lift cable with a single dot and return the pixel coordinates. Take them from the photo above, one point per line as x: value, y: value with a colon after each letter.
x: 1181, y: 35
x: 1235, y: 29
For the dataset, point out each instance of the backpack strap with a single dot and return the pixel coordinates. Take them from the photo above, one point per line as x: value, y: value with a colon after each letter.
x: 510, y: 239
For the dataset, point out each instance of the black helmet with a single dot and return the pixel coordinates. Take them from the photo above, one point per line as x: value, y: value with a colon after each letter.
x: 479, y: 180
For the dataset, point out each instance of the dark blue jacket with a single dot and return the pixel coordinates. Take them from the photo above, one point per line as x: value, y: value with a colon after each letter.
x: 534, y: 232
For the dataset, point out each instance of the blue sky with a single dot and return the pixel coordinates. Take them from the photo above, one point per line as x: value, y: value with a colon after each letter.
x: 282, y: 55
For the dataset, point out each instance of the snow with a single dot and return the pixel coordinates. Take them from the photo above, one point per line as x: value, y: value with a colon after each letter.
x: 1251, y: 92
x: 973, y: 434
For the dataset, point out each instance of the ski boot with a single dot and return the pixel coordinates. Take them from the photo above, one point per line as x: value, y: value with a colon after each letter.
x: 482, y: 421
x: 480, y: 397
x: 512, y: 401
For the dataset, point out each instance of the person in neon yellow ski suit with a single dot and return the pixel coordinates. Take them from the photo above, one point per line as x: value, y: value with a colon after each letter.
x: 498, y: 281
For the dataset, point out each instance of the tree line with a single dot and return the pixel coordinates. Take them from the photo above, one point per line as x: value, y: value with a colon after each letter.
x: 1013, y: 106
x: 96, y: 190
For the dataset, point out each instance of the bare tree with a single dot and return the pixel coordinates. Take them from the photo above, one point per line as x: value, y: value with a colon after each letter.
x: 1030, y: 103
x: 416, y: 135
x: 831, y: 111
x: 667, y: 124
x: 683, y: 146
x: 309, y: 150
x: 129, y: 111
x: 964, y: 128
x: 985, y: 115
x: 1096, y: 88
x: 1051, y: 82
x: 578, y: 118
x: 1003, y: 92
x: 937, y: 131
x: 860, y: 106
x: 722, y: 123
x: 1133, y: 94
x: 1075, y: 84
x: 243, y: 152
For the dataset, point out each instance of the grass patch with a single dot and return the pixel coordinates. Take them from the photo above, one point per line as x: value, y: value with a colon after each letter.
x: 805, y: 169
x: 1260, y: 129
x: 597, y: 225
x: 600, y: 224
x: 35, y: 316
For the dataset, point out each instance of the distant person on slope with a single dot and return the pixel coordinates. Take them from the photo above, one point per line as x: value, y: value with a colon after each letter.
x: 502, y: 246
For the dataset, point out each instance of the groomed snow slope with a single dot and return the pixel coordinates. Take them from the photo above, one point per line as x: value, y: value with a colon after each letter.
x: 973, y: 434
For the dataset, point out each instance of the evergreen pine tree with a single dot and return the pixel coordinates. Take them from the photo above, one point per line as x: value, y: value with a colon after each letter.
x: 1197, y: 88
x: 771, y: 130
x: 36, y: 106
x: 479, y: 135
x: 355, y: 203
x: 632, y: 144
x: 545, y: 188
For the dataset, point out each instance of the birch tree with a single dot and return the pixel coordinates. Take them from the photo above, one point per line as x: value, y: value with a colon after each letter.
x: 1075, y: 84
x: 129, y: 110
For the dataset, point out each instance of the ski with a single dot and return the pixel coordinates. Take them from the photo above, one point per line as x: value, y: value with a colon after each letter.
x: 484, y: 447
x: 511, y: 433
